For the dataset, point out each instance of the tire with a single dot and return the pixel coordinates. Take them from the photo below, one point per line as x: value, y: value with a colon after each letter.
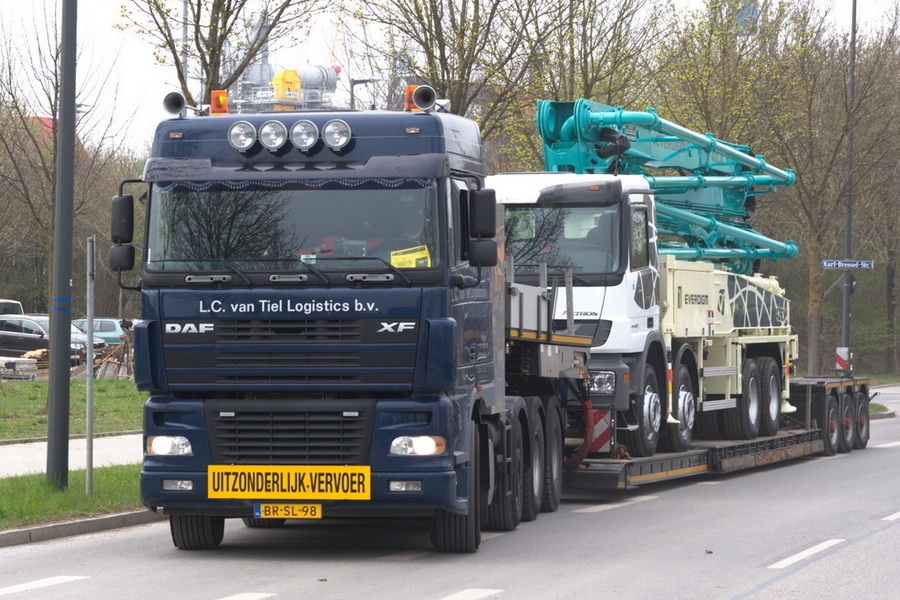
x: 770, y: 396
x: 648, y: 414
x: 707, y: 425
x: 254, y: 523
x: 462, y: 533
x: 505, y: 510
x: 533, y: 482
x: 861, y: 438
x: 742, y: 422
x: 684, y: 404
x: 848, y: 423
x: 196, y: 532
x: 831, y: 426
x: 553, y: 460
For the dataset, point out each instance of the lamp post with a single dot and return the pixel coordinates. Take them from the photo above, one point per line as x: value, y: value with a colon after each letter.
x: 848, y: 220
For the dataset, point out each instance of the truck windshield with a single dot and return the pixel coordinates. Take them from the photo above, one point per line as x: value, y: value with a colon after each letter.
x: 271, y: 225
x: 586, y: 238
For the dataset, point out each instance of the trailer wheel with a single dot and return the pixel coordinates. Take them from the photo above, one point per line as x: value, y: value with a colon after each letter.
x: 770, y: 393
x: 254, y: 523
x: 848, y: 423
x: 505, y: 509
x: 196, y: 532
x: 831, y: 426
x: 533, y: 482
x: 861, y: 439
x: 462, y: 533
x: 553, y: 460
x: 678, y: 435
x: 742, y: 422
x: 648, y: 414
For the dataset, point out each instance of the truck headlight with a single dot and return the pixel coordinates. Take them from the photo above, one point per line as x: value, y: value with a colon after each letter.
x: 602, y: 382
x: 273, y: 135
x: 336, y: 134
x: 418, y: 445
x: 169, y: 445
x: 241, y: 135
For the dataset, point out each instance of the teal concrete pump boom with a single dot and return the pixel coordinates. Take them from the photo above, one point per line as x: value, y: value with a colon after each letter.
x: 705, y: 188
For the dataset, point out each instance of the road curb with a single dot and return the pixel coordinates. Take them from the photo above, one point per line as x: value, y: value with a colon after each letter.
x: 52, y: 531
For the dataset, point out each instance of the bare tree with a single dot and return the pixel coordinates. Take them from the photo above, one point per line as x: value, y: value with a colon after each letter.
x: 217, y: 39
x: 29, y: 104
x: 475, y: 53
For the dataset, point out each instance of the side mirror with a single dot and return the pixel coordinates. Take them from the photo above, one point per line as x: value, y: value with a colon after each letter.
x: 482, y: 214
x: 122, y: 219
x: 483, y: 253
x: 121, y: 257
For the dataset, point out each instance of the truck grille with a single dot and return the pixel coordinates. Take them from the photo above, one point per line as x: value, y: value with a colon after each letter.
x: 286, y: 332
x: 290, y: 432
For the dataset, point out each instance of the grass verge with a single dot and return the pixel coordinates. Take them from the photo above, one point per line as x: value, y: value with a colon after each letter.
x: 29, y: 500
x: 118, y: 406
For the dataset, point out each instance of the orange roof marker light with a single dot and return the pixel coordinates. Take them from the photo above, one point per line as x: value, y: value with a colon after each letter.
x: 218, y: 102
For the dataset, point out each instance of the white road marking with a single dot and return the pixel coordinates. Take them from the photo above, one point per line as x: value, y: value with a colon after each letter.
x: 249, y: 596
x: 472, y: 594
x: 612, y: 505
x: 892, y: 517
x: 40, y: 583
x: 781, y: 564
x: 887, y: 445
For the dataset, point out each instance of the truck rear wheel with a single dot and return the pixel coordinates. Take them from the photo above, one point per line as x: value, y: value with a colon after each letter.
x: 462, y: 533
x: 861, y: 439
x: 678, y: 435
x: 196, y: 532
x: 553, y: 460
x: 533, y: 482
x: 770, y: 394
x: 505, y: 510
x: 742, y: 422
x: 648, y: 414
x: 848, y: 423
x: 831, y: 426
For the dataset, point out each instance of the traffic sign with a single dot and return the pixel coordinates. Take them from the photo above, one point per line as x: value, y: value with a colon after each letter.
x: 848, y: 264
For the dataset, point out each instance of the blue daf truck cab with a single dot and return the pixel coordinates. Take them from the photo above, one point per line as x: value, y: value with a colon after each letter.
x: 316, y: 330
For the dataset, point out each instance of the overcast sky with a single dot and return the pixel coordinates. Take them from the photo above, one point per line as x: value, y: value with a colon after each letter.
x: 142, y: 84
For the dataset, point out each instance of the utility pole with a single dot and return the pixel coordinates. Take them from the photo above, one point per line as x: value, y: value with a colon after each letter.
x: 61, y: 299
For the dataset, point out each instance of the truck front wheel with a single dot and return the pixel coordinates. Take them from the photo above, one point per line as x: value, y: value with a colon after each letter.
x: 462, y: 533
x: 678, y: 435
x: 643, y: 440
x: 196, y: 532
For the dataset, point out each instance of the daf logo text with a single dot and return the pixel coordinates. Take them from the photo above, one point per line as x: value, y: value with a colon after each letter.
x: 189, y: 327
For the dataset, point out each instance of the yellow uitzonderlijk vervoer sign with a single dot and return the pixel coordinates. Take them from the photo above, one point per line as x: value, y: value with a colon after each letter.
x: 289, y: 482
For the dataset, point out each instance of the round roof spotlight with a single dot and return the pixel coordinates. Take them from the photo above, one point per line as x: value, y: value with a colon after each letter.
x: 336, y: 134
x: 304, y: 135
x: 241, y: 135
x: 273, y: 135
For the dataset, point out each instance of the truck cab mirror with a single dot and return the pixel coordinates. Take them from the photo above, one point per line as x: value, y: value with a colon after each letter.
x: 483, y: 253
x: 121, y: 257
x: 122, y: 220
x: 482, y: 214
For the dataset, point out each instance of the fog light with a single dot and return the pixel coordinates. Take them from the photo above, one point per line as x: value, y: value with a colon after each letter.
x: 177, y: 485
x: 169, y: 445
x: 404, y: 486
x: 418, y: 445
x: 602, y: 382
